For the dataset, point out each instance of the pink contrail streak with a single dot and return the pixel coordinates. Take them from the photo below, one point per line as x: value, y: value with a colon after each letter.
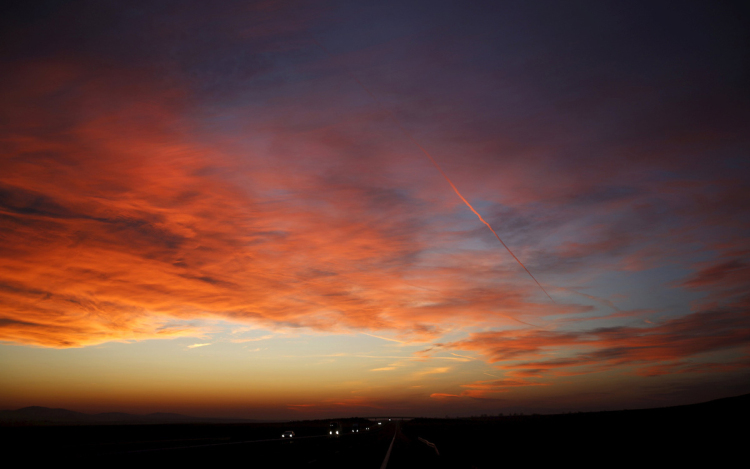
x: 439, y: 168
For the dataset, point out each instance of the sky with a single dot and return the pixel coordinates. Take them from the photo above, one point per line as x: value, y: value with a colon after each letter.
x: 274, y: 209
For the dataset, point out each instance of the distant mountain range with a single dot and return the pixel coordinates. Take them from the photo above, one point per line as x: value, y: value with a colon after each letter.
x: 46, y: 416
x: 739, y: 405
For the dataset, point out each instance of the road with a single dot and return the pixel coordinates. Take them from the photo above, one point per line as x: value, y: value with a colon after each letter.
x: 366, y: 449
x: 667, y: 436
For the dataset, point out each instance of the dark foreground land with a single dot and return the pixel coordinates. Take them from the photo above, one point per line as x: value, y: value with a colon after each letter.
x: 713, y: 433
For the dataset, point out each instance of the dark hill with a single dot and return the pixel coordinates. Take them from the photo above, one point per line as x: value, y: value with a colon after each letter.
x: 45, y: 416
x: 666, y: 436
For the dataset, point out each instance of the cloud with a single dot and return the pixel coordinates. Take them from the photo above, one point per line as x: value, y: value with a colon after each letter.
x: 252, y: 339
x: 687, y: 367
x: 431, y: 371
x: 725, y: 281
x: 676, y: 341
x: 482, y: 389
x: 734, y: 271
x: 198, y: 345
x: 384, y: 338
x: 440, y: 395
x: 245, y: 181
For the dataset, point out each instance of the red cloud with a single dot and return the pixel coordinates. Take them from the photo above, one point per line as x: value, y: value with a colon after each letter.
x: 524, y: 354
x: 725, y: 281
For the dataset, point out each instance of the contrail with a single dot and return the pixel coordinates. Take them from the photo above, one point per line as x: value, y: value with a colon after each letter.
x: 435, y: 163
x: 595, y: 298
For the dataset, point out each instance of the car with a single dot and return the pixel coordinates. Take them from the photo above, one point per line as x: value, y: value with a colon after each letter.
x: 355, y: 428
x: 335, y: 429
x: 289, y: 434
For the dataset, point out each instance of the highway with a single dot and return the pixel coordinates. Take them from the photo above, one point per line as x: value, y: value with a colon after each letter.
x: 631, y: 436
x: 383, y: 447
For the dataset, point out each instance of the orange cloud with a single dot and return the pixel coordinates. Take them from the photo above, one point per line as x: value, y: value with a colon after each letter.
x: 116, y: 222
x: 440, y: 395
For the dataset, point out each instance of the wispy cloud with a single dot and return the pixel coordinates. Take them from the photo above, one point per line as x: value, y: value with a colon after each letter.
x: 383, y: 338
x: 441, y: 395
x: 431, y: 371
x: 251, y: 339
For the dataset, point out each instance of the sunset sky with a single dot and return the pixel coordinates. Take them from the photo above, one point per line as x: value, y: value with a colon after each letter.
x: 230, y: 208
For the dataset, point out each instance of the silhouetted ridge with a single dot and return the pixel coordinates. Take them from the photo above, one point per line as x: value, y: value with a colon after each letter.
x: 36, y: 415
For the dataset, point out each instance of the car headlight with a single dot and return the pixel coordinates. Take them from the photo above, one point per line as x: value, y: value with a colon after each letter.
x: 330, y: 433
x: 337, y: 432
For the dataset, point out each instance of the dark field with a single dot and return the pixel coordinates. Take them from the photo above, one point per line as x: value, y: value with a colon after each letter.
x: 713, y: 432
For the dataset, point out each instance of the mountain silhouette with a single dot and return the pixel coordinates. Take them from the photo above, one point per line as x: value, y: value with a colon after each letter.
x: 36, y: 415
